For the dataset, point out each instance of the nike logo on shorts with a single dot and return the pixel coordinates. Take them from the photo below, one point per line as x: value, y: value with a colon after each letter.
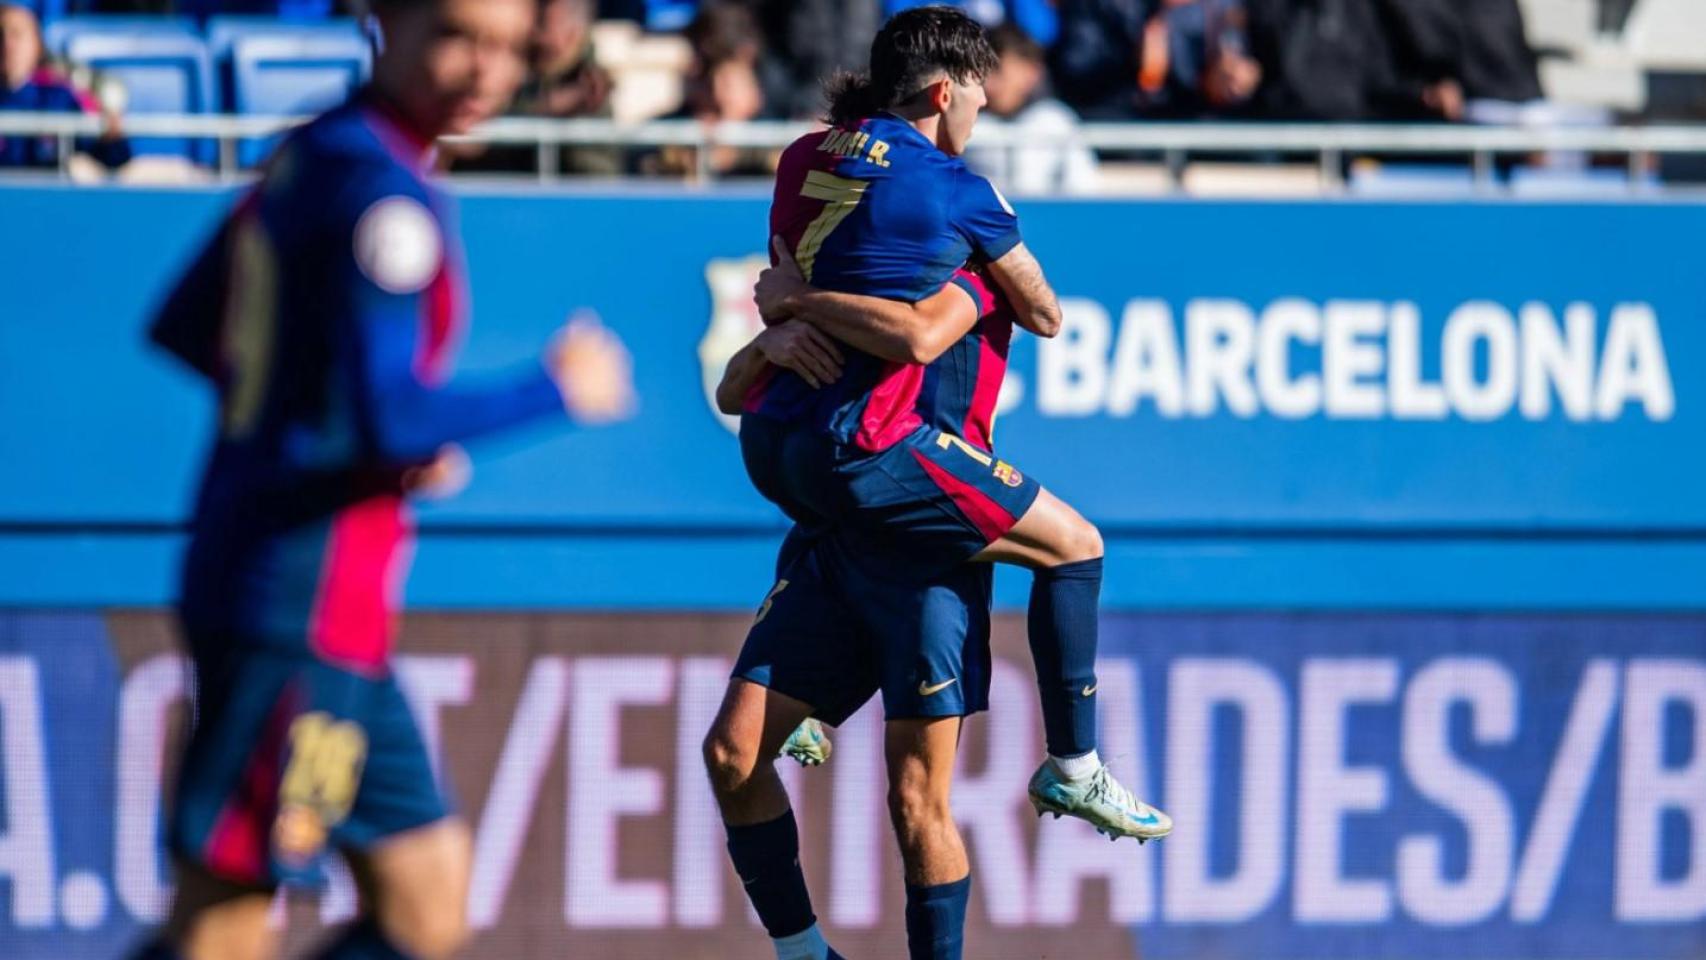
x: 1090, y: 688
x: 931, y: 689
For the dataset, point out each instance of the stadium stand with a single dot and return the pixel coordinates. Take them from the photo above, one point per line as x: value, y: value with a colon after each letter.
x: 669, y: 15
x: 1668, y: 34
x: 1601, y: 62
x: 273, y: 68
x: 1593, y: 58
x: 161, y: 62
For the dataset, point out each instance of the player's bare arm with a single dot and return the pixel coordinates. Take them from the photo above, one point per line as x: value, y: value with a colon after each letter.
x: 891, y: 329
x: 1021, y: 278
x: 738, y: 377
x: 794, y: 345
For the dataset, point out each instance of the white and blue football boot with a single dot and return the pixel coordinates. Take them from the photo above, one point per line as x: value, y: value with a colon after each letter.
x: 1098, y: 799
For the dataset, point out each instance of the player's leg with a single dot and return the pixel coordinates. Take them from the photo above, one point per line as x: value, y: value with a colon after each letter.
x: 359, y: 767
x: 224, y: 807
x: 413, y: 890
x: 920, y: 754
x: 987, y: 510
x: 741, y: 747
x: 763, y: 838
x: 800, y: 658
x: 935, y: 666
x: 214, y: 919
x: 950, y: 502
x: 1064, y: 552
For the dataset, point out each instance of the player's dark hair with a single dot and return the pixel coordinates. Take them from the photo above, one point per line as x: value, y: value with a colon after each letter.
x: 910, y: 50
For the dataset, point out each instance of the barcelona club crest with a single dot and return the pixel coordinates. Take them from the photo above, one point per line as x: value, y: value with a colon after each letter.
x: 1005, y: 472
x: 734, y: 321
x: 299, y: 834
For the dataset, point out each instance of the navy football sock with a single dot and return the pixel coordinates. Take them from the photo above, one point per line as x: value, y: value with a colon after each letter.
x: 362, y: 940
x: 767, y: 857
x: 1062, y: 623
x: 936, y: 920
x: 158, y: 949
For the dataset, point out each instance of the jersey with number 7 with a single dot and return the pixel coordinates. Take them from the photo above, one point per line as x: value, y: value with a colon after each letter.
x: 875, y: 208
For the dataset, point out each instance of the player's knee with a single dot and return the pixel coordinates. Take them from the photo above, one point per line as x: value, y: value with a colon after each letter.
x: 915, y: 808
x: 215, y: 918
x: 429, y: 930
x: 728, y: 762
x: 1081, y: 542
x: 423, y: 897
x: 431, y: 935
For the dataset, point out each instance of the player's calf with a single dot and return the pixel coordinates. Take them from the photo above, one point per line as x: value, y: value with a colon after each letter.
x: 764, y: 843
x: 938, y: 882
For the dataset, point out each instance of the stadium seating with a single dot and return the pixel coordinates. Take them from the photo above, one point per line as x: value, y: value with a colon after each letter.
x: 161, y: 62
x: 1585, y: 184
x: 1402, y: 180
x: 273, y: 68
x: 57, y: 32
x: 1593, y: 61
x: 670, y: 15
x: 287, y: 9
x: 239, y: 64
x: 647, y: 68
x: 1668, y: 34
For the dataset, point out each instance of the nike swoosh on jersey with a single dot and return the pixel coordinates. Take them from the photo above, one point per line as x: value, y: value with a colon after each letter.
x: 1090, y: 688
x: 930, y: 690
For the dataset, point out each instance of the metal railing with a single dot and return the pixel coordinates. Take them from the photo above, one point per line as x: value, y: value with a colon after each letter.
x: 1329, y: 144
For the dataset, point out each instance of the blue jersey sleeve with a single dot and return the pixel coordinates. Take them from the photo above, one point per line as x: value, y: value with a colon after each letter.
x: 397, y: 249
x: 982, y: 215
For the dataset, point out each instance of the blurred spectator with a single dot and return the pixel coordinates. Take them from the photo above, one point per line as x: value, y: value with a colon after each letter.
x: 723, y: 87
x: 1118, y: 58
x: 809, y: 41
x: 1352, y: 60
x: 31, y: 85
x: 1095, y: 59
x: 1048, y: 160
x: 1491, y: 52
x: 565, y: 81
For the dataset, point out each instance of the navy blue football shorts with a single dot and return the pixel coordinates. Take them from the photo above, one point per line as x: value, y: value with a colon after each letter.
x: 291, y: 756
x: 914, y: 512
x: 832, y: 636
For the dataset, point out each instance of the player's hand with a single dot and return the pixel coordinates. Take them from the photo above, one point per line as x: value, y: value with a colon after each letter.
x: 778, y: 285
x: 445, y: 477
x: 593, y: 371
x: 804, y: 349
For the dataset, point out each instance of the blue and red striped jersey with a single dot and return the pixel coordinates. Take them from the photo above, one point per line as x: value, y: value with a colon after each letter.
x: 875, y: 208
x: 961, y: 388
x: 325, y: 311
